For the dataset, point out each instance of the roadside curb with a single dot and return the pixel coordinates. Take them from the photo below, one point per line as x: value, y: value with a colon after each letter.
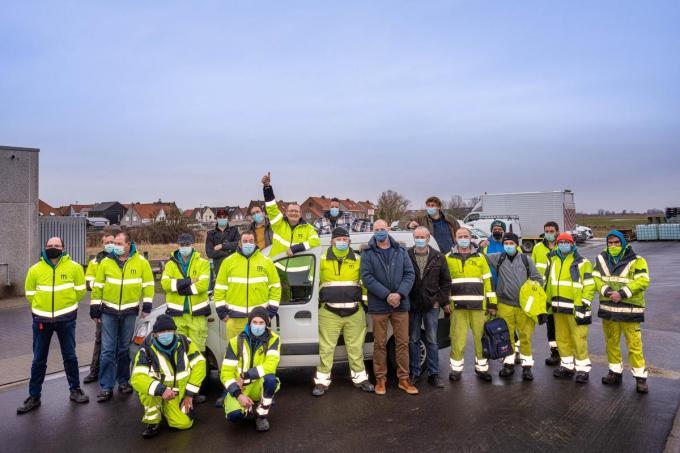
x: 673, y: 439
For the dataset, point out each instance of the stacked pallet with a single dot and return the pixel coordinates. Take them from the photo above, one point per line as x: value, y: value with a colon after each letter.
x: 647, y: 232
x: 669, y: 232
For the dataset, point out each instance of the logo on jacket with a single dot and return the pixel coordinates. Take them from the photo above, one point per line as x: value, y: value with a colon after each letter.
x: 133, y: 271
x: 63, y: 277
x: 260, y: 268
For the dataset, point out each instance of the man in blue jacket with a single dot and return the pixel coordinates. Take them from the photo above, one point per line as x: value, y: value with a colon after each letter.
x: 387, y: 274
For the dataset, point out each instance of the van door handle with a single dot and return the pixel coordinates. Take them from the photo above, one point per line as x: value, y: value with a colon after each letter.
x: 303, y: 315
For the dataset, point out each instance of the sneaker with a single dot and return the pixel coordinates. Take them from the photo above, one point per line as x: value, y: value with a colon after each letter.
x: 484, y: 376
x: 92, y: 377
x: 527, y: 375
x: 104, y: 396
x: 554, y: 358
x: 261, y: 424
x: 455, y: 375
x: 641, y: 385
x: 406, y: 386
x: 581, y: 377
x: 366, y: 386
x: 319, y: 390
x: 507, y: 371
x: 125, y: 388
x: 434, y: 381
x: 150, y: 431
x: 380, y: 387
x: 563, y: 373
x: 612, y: 378
x: 30, y: 403
x: 78, y: 396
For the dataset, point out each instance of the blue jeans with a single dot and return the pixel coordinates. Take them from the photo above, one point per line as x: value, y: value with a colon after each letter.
x: 42, y: 336
x: 114, y: 363
x: 430, y: 321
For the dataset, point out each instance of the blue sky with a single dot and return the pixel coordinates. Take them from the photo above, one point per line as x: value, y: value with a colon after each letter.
x: 194, y: 101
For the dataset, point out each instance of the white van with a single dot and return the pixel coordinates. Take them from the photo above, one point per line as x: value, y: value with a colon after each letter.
x: 297, y: 322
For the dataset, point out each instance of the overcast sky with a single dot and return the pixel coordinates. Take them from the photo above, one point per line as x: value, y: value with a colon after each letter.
x: 193, y: 101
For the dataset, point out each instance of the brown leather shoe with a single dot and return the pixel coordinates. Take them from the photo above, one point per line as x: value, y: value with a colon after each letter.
x: 406, y: 386
x: 380, y: 387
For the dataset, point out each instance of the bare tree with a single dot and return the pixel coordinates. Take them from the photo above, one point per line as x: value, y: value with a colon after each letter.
x: 457, y: 206
x: 392, y: 206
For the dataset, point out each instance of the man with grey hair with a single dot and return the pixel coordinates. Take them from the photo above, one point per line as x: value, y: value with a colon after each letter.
x: 430, y: 292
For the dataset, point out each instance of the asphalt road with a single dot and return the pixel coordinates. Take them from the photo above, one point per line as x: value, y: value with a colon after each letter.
x: 469, y: 415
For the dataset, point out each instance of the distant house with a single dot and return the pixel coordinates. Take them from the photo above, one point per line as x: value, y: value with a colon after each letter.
x: 111, y: 210
x: 369, y: 209
x: 315, y: 207
x: 143, y: 213
x: 46, y: 210
x: 77, y: 210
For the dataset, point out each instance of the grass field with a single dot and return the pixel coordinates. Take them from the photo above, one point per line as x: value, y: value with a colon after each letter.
x: 601, y: 225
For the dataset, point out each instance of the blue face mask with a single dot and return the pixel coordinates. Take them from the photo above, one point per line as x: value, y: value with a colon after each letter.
x: 432, y: 211
x: 420, y: 243
x: 108, y: 248
x: 119, y: 250
x: 564, y: 247
x: 186, y: 251
x: 258, y: 331
x: 222, y: 222
x: 258, y: 218
x: 510, y: 249
x: 166, y: 338
x: 341, y: 245
x: 549, y: 237
x: 334, y: 212
x: 248, y: 249
x: 464, y: 243
x: 380, y: 235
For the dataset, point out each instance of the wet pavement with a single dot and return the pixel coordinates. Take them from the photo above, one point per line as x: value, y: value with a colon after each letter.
x: 469, y: 415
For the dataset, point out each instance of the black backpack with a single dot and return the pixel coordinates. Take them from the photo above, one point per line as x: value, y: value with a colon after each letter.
x: 496, y: 340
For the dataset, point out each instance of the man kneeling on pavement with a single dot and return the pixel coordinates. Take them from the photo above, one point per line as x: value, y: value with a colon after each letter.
x: 167, y: 375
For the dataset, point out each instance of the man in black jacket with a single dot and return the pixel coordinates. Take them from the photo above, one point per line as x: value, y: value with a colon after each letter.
x: 430, y: 292
x: 221, y: 242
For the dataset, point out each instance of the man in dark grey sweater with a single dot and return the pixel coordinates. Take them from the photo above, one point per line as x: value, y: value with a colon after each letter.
x: 514, y: 269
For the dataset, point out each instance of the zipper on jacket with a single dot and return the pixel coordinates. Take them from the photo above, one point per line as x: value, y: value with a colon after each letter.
x: 54, y: 276
x: 247, y: 288
x: 122, y: 278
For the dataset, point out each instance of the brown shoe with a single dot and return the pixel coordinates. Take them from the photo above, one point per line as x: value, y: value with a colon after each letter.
x: 380, y: 387
x: 406, y: 386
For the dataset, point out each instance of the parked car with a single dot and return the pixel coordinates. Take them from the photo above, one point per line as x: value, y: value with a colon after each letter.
x: 297, y: 320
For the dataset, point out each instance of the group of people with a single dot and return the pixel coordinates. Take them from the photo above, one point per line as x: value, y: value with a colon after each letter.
x: 399, y: 287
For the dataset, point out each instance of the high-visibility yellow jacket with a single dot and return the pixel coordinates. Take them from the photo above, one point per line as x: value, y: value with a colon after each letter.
x: 244, y: 283
x: 340, y: 287
x: 301, y: 237
x: 91, y: 271
x: 630, y: 278
x: 539, y: 255
x: 178, y: 287
x: 55, y: 290
x: 118, y: 289
x: 570, y: 287
x: 248, y: 358
x: 471, y: 286
x: 154, y: 370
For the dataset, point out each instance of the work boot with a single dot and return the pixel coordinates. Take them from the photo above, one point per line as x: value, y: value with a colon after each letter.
x: 484, y: 376
x: 261, y: 424
x: 219, y: 402
x: 641, y: 385
x: 150, y: 431
x: 366, y: 386
x: 455, y: 375
x: 434, y: 381
x: 78, y: 396
x: 527, y: 375
x: 380, y: 387
x: 125, y: 388
x: 581, y: 377
x: 612, y: 378
x: 30, y: 403
x: 319, y: 389
x: 104, y: 395
x: 92, y: 377
x: 507, y: 371
x: 554, y: 358
x: 563, y: 373
x: 406, y: 386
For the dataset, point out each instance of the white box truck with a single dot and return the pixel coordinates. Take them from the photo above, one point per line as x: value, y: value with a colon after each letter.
x: 531, y: 209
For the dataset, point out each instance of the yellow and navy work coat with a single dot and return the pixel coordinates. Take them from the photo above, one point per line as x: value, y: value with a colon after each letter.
x: 630, y: 278
x: 119, y: 287
x: 340, y: 289
x: 249, y: 358
x: 55, y: 290
x: 471, y: 281
x: 570, y: 287
x: 182, y: 370
x: 91, y: 271
x: 178, y: 286
x: 539, y: 255
x: 299, y: 238
x: 246, y: 282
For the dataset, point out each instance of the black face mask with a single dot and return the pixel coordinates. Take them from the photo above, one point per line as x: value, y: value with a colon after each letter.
x: 497, y: 235
x: 53, y: 253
